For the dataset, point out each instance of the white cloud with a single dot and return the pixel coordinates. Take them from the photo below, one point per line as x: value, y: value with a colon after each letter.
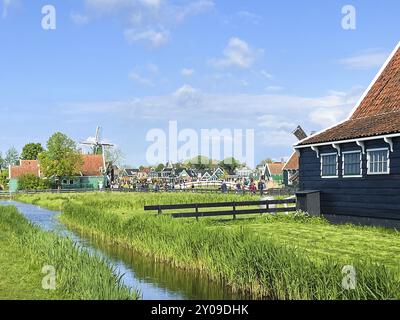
x: 187, y: 72
x: 152, y: 3
x: 266, y: 74
x: 274, y: 117
x: 237, y: 54
x: 141, y: 80
x: 79, y: 19
x: 327, y: 117
x: 274, y: 88
x: 187, y: 96
x: 365, y: 60
x: 249, y: 16
x: 193, y: 8
x: 151, y: 70
x: 155, y: 38
x: 276, y: 138
x: 147, y: 21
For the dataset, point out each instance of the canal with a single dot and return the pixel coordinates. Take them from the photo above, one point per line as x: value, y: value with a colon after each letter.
x: 155, y: 280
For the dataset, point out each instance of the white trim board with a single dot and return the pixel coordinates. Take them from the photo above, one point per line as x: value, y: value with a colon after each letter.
x: 393, y: 135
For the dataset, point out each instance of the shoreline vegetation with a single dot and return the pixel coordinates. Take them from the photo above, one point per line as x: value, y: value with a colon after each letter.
x: 25, y: 249
x: 269, y: 257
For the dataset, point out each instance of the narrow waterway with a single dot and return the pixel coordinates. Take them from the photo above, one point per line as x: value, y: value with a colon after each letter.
x: 155, y: 281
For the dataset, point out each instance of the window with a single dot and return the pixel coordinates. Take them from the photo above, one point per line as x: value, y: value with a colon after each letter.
x: 378, y: 161
x: 329, y: 165
x: 352, y: 164
x: 71, y: 181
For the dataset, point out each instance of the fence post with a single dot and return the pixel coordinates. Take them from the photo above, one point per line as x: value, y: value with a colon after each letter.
x: 159, y: 210
x: 234, y: 211
x: 197, y: 212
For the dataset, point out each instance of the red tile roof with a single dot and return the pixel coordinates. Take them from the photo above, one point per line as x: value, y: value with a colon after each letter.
x: 92, y: 165
x: 377, y: 114
x: 275, y: 168
x: 292, y: 163
x: 25, y: 167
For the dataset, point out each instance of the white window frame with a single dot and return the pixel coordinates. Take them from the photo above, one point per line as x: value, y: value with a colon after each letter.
x: 337, y: 165
x: 361, y: 162
x: 369, y: 161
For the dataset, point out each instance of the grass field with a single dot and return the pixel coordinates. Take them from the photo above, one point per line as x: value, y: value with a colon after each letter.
x: 281, y: 257
x: 25, y: 250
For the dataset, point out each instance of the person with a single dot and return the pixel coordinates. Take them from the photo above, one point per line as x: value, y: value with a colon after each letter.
x: 252, y: 188
x: 238, y: 187
x: 261, y: 187
x: 193, y: 187
x: 224, y: 187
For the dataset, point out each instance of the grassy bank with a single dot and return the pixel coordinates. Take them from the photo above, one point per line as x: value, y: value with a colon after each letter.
x: 25, y: 249
x: 277, y: 257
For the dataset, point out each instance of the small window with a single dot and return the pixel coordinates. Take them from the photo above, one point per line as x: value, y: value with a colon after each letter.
x: 71, y: 181
x: 64, y: 181
x: 352, y: 164
x: 378, y: 161
x: 329, y: 165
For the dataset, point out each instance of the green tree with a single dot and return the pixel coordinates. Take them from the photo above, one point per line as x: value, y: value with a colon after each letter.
x: 160, y: 167
x: 31, y: 151
x: 2, y: 161
x: 12, y: 157
x: 31, y: 182
x: 3, y: 179
x: 200, y: 162
x: 230, y: 164
x: 61, y: 159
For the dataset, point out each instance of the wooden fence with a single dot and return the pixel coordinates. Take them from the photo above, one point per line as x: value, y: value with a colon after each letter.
x: 264, y: 206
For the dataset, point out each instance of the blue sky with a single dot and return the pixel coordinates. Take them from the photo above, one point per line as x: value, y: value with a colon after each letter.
x: 134, y: 65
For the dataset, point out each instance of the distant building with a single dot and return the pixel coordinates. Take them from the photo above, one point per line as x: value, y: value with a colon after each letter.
x: 25, y: 167
x: 143, y: 174
x: 129, y: 174
x: 291, y: 171
x: 273, y: 172
x: 244, y: 172
x: 153, y: 174
x: 91, y: 176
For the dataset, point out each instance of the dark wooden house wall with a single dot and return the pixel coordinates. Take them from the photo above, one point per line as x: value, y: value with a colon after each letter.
x: 372, y: 196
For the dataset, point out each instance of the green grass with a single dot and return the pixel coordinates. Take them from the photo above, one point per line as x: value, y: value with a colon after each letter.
x: 25, y: 249
x: 279, y: 257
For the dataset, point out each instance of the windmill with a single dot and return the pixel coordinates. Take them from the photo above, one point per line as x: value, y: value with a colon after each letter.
x: 96, y: 143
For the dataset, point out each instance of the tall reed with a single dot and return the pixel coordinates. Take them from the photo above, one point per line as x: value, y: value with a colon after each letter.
x: 79, y: 274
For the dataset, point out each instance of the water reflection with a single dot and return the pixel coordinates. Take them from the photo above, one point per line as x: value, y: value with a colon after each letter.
x: 155, y: 280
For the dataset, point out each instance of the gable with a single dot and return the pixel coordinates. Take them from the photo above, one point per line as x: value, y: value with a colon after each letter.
x: 275, y: 168
x: 292, y: 163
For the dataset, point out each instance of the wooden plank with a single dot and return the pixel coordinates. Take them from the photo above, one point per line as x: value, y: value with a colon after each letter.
x: 219, y: 204
x: 231, y: 212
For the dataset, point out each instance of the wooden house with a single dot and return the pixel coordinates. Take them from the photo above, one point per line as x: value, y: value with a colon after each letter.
x: 91, y: 175
x: 273, y: 173
x: 356, y: 164
x: 291, y: 171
